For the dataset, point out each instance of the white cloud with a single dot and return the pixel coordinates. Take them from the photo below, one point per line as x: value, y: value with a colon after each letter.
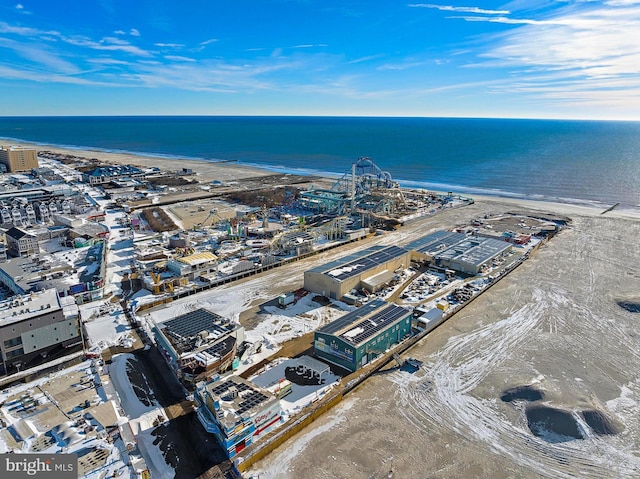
x: 40, y: 57
x: 13, y: 73
x: 178, y: 58
x: 207, y: 42
x: 107, y: 61
x: 449, y: 8
x: 310, y: 45
x: 169, y: 45
x: 134, y: 32
x: 581, y: 53
x: 402, y: 65
x: 119, y: 32
x: 20, y: 9
x: 506, y: 20
x: 364, y: 59
x: 107, y: 44
x: 24, y: 31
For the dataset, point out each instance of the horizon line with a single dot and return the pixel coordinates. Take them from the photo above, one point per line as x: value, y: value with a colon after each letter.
x: 318, y: 116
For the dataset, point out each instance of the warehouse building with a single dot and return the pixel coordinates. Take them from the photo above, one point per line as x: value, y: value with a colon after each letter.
x: 457, y: 251
x: 360, y: 336
x: 371, y: 268
x: 427, y: 247
x: 472, y: 254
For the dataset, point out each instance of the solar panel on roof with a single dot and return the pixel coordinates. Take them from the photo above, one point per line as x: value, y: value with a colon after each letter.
x: 387, y: 314
x: 352, y: 317
x: 436, y: 241
x: 383, y: 320
x: 369, y: 259
x: 193, y: 322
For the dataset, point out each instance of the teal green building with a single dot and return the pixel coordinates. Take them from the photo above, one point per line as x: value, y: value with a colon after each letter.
x: 360, y: 336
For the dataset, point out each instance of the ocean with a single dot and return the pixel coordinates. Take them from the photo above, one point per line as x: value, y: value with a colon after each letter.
x: 582, y: 162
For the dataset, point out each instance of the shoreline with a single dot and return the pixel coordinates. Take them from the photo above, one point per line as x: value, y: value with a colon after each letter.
x: 227, y: 170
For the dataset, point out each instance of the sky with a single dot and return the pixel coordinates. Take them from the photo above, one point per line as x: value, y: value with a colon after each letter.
x: 519, y: 59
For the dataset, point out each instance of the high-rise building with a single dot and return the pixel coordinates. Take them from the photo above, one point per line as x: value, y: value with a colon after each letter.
x: 18, y: 159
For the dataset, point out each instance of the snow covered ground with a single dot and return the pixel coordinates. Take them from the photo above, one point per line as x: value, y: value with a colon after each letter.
x: 276, y: 325
x: 301, y: 395
x: 41, y: 422
x: 141, y: 416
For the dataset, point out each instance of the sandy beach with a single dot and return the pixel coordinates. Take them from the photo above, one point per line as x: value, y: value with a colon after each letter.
x: 207, y: 171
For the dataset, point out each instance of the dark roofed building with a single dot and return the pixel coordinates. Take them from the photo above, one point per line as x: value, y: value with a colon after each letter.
x: 458, y: 251
x: 106, y: 174
x: 198, y: 344
x: 360, y: 336
x: 21, y: 243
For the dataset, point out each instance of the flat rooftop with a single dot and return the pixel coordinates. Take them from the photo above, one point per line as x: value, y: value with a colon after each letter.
x: 474, y: 250
x: 248, y: 400
x: 19, y: 308
x: 436, y: 242
x: 184, y: 331
x: 356, y: 263
x: 359, y: 325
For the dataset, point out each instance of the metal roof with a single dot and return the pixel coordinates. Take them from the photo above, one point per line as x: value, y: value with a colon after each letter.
x: 474, y: 250
x: 435, y: 242
x: 198, y: 258
x: 363, y: 323
x: 356, y: 263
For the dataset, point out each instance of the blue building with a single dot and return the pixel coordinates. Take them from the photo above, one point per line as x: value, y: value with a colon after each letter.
x: 237, y: 412
x: 360, y: 336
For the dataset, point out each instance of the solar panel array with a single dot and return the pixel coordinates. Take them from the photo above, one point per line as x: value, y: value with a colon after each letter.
x: 481, y: 250
x: 221, y: 348
x: 189, y: 324
x: 353, y: 265
x: 352, y: 317
x: 248, y: 397
x: 434, y: 242
x: 221, y: 388
x: 379, y: 315
x: 378, y: 322
x: 249, y: 401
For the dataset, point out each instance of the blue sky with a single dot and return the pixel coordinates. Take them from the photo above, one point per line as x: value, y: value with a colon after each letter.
x: 525, y: 58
